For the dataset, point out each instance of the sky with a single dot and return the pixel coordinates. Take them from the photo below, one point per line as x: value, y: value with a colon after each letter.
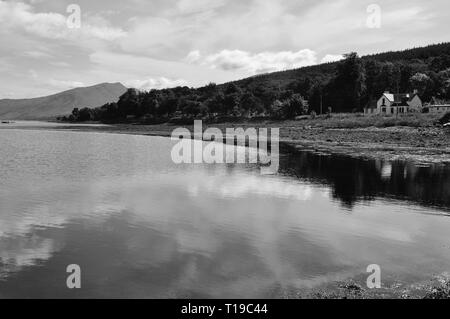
x: 45, y: 48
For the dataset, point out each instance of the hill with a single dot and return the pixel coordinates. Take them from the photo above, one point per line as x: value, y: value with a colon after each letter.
x: 61, y: 103
x: 344, y: 86
x: 437, y: 54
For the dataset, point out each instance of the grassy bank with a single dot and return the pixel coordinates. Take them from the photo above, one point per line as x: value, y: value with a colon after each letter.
x: 358, y: 120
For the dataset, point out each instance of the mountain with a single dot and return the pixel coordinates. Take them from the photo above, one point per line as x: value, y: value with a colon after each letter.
x: 61, y: 103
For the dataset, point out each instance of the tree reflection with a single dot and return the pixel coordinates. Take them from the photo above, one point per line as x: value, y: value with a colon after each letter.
x: 353, y: 179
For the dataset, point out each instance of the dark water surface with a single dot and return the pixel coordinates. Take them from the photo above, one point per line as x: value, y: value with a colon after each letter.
x: 140, y: 226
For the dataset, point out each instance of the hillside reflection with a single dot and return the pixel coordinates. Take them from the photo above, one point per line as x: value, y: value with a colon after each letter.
x: 352, y: 180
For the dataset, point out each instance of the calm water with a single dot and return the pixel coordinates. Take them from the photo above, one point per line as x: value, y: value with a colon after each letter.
x: 141, y: 226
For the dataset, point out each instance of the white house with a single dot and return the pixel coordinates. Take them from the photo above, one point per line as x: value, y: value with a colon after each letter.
x: 390, y: 103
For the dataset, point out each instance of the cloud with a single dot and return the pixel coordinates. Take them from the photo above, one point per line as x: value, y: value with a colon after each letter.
x: 195, y: 6
x: 154, y: 83
x: 331, y: 58
x: 157, y: 36
x: 227, y: 40
x: 60, y: 64
x: 109, y: 66
x: 65, y: 85
x: 193, y: 57
x: 403, y: 15
x: 36, y: 54
x: 51, y: 25
x: 54, y: 83
x: 234, y: 60
x: 33, y: 74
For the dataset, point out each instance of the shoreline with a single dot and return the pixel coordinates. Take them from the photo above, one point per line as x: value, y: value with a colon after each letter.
x: 422, y: 145
x: 437, y: 287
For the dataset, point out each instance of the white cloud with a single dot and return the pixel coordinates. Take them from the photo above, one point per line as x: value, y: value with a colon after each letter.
x: 36, y: 54
x: 65, y: 85
x: 156, y: 36
x: 18, y: 15
x: 331, y: 58
x: 234, y: 60
x: 109, y: 66
x: 60, y: 64
x: 228, y: 40
x: 33, y: 74
x: 193, y: 6
x: 154, y: 83
x: 193, y: 56
x: 411, y: 15
x: 54, y: 83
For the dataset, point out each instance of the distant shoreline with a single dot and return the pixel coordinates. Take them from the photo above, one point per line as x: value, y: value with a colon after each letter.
x: 359, y: 137
x: 413, y: 138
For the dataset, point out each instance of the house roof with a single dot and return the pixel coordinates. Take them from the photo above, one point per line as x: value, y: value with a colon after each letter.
x: 438, y: 102
x: 399, y: 98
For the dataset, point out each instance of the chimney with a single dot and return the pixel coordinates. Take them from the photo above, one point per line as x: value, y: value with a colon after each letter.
x: 416, y: 91
x: 387, y: 92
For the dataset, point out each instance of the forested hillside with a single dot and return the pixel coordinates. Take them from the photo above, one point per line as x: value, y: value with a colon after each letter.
x: 344, y: 86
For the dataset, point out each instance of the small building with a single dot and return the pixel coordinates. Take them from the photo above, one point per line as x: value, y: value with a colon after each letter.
x: 438, y: 106
x: 439, y: 109
x: 390, y: 103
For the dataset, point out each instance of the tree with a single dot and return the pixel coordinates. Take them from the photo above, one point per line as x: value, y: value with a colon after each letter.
x: 128, y: 103
x: 216, y: 104
x: 250, y: 104
x: 108, y: 112
x: 348, y: 86
x: 301, y: 86
x: 445, y: 83
x: 85, y: 114
x: 422, y: 83
x: 75, y: 113
x: 293, y: 106
x: 230, y: 103
x: 276, y: 109
x: 316, y: 98
x: 192, y: 108
x: 149, y: 104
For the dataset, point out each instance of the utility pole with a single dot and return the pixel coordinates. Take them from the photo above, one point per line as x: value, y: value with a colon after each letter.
x: 321, y: 103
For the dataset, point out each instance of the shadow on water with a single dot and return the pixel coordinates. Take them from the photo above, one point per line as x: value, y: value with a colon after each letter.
x: 353, y: 179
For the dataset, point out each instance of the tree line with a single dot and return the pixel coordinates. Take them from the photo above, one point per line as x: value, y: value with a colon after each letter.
x: 345, y: 86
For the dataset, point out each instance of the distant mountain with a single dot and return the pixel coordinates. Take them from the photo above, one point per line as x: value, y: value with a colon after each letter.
x: 61, y: 103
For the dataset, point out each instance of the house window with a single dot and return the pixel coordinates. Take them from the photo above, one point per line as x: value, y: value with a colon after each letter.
x: 384, y: 101
x: 383, y: 110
